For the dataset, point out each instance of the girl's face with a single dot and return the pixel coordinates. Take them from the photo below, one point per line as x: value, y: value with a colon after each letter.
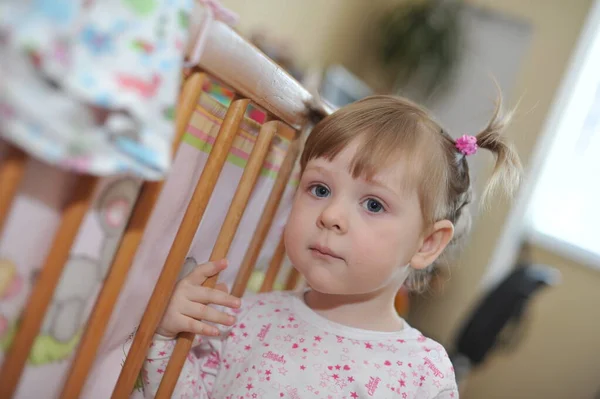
x: 352, y: 236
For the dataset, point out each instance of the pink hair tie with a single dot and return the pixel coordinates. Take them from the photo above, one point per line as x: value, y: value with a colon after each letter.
x: 466, y: 144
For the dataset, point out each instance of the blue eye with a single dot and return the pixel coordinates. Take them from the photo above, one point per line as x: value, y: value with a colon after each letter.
x: 319, y: 191
x: 373, y: 206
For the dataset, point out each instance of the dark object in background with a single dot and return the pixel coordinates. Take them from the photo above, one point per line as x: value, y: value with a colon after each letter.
x: 340, y: 87
x: 497, y: 322
x: 421, y: 41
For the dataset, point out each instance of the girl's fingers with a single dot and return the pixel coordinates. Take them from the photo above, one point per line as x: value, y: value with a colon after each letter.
x: 205, y: 270
x: 222, y: 287
x: 203, y: 312
x: 205, y: 296
x: 192, y: 325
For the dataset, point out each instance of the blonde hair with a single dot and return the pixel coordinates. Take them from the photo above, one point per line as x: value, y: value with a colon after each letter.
x: 393, y: 128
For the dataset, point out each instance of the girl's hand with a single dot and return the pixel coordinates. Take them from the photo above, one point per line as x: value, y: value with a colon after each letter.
x: 189, y: 305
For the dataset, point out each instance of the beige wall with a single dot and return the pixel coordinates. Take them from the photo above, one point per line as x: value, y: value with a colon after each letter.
x: 320, y: 31
x: 561, y: 356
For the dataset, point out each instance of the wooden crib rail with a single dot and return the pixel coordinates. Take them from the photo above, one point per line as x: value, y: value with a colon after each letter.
x: 231, y: 59
x: 224, y: 240
x: 12, y: 168
x: 266, y: 219
x: 191, y: 220
x: 107, y: 298
x: 238, y: 63
x: 43, y: 290
x: 274, y: 267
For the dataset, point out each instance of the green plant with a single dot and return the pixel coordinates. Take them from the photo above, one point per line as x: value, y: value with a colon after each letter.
x: 421, y: 42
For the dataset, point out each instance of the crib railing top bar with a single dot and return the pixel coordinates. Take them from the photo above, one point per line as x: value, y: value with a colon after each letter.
x: 239, y: 64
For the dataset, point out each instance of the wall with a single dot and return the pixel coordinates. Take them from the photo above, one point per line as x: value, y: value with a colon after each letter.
x: 319, y: 32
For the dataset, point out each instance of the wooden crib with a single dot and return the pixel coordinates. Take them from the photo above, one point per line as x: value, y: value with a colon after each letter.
x: 256, y: 80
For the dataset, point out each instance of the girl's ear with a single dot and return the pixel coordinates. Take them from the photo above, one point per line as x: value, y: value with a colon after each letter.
x: 433, y: 245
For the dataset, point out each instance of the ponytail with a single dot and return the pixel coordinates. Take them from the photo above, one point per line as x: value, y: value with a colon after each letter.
x: 507, y: 171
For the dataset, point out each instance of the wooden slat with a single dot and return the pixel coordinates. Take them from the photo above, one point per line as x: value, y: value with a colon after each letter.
x: 224, y: 240
x: 185, y: 234
x: 41, y: 295
x: 12, y: 168
x: 266, y: 219
x: 292, y: 279
x: 274, y: 267
x: 98, y: 321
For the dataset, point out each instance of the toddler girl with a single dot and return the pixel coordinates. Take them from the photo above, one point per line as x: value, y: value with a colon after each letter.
x: 384, y: 191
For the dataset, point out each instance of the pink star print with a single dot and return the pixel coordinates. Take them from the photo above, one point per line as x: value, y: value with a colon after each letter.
x: 354, y: 395
x: 249, y: 387
x: 317, y: 338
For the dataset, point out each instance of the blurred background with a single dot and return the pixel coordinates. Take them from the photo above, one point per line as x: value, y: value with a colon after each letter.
x: 518, y: 310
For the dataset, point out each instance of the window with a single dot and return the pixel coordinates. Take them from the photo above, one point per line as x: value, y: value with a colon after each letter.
x: 565, y: 209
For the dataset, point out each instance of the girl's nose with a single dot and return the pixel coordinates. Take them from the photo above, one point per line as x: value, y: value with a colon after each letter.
x: 334, y: 217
